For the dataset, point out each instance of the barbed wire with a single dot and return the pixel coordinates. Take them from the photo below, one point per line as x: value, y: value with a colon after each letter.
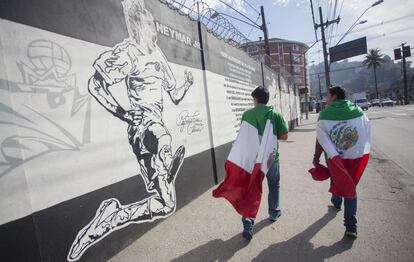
x: 215, y: 23
x: 219, y: 26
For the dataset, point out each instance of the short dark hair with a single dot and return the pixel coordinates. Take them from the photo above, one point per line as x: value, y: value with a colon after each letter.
x: 261, y: 94
x: 338, y: 91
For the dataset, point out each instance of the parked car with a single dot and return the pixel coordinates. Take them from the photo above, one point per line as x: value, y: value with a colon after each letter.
x: 375, y: 102
x: 363, y: 103
x: 387, y: 102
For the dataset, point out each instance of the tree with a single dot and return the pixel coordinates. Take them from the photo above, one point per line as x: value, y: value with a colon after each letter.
x: 373, y: 60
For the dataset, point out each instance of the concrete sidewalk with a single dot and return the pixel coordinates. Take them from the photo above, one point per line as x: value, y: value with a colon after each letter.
x: 209, y: 229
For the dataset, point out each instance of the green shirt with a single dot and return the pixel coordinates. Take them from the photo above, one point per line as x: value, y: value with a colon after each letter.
x: 259, y: 112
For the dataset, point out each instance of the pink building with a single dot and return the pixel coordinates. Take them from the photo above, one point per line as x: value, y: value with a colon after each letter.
x: 280, y: 52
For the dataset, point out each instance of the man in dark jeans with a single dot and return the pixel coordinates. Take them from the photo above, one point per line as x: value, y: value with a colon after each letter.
x: 350, y: 204
x: 344, y: 112
x: 260, y: 98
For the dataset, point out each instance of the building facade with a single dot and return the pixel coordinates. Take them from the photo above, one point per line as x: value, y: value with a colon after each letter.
x: 286, y: 55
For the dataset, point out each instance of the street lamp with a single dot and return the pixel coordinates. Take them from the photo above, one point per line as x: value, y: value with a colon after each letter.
x: 350, y: 29
x: 356, y: 21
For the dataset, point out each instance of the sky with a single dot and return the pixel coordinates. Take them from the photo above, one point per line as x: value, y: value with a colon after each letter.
x: 388, y: 24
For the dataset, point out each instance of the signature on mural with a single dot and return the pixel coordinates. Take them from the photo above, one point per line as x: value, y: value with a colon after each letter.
x: 190, y: 123
x: 47, y: 84
x: 139, y: 65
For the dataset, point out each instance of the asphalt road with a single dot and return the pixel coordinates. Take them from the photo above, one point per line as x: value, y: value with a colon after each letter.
x: 393, y: 134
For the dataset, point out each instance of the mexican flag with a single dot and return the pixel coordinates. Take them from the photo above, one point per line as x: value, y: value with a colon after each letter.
x: 247, y: 164
x: 343, y: 131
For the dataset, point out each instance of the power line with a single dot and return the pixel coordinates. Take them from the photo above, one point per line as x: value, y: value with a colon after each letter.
x: 257, y: 11
x: 328, y: 9
x: 383, y: 23
x: 237, y: 11
x: 391, y: 33
x: 372, y: 26
x: 313, y: 19
x: 339, y: 14
x: 251, y: 29
x: 333, y: 17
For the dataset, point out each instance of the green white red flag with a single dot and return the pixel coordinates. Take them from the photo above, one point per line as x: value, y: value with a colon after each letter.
x: 247, y: 164
x: 343, y: 131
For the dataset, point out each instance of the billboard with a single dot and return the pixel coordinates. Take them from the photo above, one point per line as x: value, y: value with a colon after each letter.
x: 348, y: 49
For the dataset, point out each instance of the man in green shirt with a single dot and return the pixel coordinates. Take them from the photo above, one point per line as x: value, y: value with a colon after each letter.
x: 260, y: 98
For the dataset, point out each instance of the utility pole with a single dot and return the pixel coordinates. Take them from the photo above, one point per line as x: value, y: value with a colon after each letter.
x: 323, y: 25
x: 266, y: 38
x: 320, y: 90
x: 306, y: 94
x: 406, y: 101
x: 403, y: 53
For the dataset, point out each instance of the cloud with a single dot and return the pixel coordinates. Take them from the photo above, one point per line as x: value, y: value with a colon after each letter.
x: 239, y: 5
x: 281, y: 2
x: 297, y: 3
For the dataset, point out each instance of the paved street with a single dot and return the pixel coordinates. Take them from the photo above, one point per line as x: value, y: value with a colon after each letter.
x: 393, y: 134
x: 208, y: 229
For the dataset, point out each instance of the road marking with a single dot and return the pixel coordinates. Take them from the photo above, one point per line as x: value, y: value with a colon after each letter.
x: 400, y: 114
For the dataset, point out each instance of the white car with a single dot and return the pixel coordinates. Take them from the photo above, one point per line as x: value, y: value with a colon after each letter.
x: 376, y: 102
x: 363, y: 103
x: 387, y: 102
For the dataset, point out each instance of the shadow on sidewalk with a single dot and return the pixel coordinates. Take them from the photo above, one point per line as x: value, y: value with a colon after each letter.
x: 219, y: 250
x: 299, y: 248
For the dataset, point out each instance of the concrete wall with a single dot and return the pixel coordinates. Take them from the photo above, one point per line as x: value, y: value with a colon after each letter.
x: 112, y: 118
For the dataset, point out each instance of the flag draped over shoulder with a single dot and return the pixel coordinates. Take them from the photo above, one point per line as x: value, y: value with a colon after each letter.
x: 343, y: 131
x: 247, y: 164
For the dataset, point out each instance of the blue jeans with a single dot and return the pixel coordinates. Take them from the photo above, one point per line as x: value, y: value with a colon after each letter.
x: 350, y: 220
x: 273, y: 179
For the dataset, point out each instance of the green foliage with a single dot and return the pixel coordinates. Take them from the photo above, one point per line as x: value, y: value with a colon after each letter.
x: 373, y: 59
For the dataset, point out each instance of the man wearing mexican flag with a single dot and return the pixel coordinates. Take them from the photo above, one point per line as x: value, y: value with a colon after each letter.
x: 343, y: 133
x: 254, y: 155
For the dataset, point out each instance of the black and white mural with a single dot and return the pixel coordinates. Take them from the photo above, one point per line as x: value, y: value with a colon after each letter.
x: 108, y: 121
x: 138, y: 65
x: 45, y: 73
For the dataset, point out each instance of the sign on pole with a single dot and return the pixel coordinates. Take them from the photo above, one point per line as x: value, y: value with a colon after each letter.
x: 348, y: 49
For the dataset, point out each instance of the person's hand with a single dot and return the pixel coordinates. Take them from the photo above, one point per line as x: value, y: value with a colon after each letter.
x: 133, y: 117
x: 188, y: 78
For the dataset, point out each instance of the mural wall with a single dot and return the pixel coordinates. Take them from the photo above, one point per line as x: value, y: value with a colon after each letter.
x: 108, y: 111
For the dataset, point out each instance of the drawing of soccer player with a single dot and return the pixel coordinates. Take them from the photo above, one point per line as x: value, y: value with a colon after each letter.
x: 139, y: 63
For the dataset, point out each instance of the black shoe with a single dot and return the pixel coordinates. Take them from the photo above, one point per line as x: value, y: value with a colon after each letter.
x: 336, y: 205
x: 274, y: 219
x: 351, y: 232
x: 247, y: 235
x: 247, y: 228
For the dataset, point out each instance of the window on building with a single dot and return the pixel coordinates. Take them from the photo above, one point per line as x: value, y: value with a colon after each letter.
x: 296, y: 69
x: 296, y: 47
x: 297, y: 59
x: 273, y: 48
x: 252, y: 49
